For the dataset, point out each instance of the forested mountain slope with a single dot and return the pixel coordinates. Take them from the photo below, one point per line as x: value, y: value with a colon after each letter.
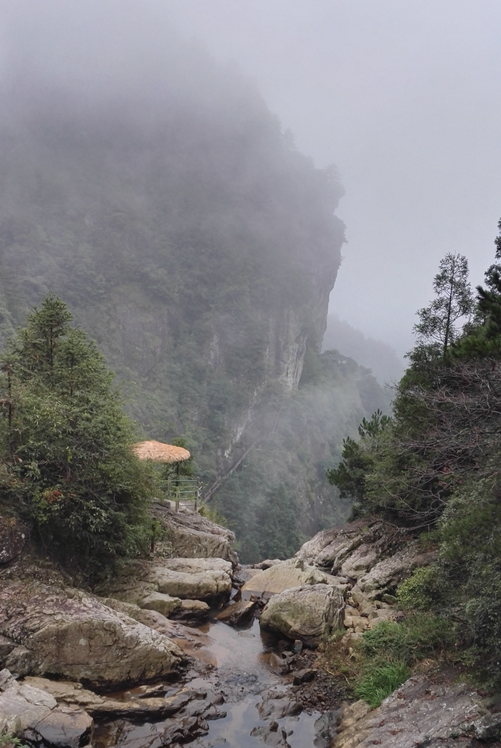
x: 188, y: 237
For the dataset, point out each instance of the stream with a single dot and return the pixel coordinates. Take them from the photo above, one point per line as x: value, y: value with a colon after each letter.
x: 236, y: 695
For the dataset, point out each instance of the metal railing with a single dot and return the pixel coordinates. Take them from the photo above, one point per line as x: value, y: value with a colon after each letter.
x: 184, y: 491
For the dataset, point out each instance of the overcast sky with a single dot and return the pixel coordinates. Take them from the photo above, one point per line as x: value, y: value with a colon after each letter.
x: 404, y: 96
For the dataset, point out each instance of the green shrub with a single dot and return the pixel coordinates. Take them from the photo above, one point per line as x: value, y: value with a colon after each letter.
x: 380, y: 681
x: 419, y: 591
x: 419, y: 636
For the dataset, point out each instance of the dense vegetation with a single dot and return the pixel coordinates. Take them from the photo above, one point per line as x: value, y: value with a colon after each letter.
x: 66, y: 463
x: 434, y: 467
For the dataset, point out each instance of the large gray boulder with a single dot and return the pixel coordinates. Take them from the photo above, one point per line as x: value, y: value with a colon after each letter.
x: 309, y: 613
x: 68, y: 633
x: 282, y: 576
x: 385, y: 576
x: 160, y: 584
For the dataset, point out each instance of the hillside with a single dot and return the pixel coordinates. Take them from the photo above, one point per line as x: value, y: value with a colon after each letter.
x: 191, y: 241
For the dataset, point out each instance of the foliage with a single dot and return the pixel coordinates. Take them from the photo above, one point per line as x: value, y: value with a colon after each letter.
x: 7, y: 740
x: 359, y: 457
x: 380, y: 681
x: 454, y: 301
x: 438, y: 467
x: 66, y: 445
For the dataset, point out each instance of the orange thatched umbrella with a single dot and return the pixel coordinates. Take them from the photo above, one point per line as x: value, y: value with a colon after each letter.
x: 158, y: 452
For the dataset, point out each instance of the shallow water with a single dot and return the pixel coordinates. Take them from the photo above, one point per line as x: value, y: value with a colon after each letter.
x: 244, y: 678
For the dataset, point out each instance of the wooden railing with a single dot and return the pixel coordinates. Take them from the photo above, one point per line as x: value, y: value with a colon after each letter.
x: 184, y: 491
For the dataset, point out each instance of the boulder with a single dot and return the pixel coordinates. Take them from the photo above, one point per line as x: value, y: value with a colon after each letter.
x: 71, y: 634
x: 163, y: 583
x: 309, y: 613
x: 283, y: 576
x: 238, y: 614
x: 192, y: 612
x: 193, y: 579
x: 35, y: 715
x: 330, y: 548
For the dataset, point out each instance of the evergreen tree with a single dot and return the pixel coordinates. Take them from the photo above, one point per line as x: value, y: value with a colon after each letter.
x: 454, y: 301
x: 66, y: 444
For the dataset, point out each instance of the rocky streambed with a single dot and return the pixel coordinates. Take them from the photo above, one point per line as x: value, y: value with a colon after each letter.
x: 123, y: 668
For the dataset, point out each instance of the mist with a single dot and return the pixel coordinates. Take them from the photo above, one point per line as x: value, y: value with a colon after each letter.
x: 402, y: 97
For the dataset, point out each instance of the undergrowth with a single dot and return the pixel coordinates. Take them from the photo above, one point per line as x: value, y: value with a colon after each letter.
x: 383, y: 658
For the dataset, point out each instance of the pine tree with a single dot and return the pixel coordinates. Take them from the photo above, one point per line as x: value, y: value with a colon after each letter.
x: 66, y: 444
x: 454, y: 302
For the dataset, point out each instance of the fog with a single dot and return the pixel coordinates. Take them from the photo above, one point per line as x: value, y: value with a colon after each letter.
x: 402, y: 96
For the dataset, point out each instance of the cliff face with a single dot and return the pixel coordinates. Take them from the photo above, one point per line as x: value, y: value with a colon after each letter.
x: 189, y: 239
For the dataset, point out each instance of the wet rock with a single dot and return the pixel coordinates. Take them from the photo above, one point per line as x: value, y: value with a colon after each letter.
x: 277, y: 705
x: 71, y: 634
x: 13, y: 534
x: 271, y: 734
x: 243, y: 575
x: 303, y: 676
x: 280, y: 663
x: 193, y: 710
x: 65, y: 726
x: 282, y: 576
x: 192, y: 612
x: 326, y: 728
x: 421, y: 712
x: 237, y: 614
x: 309, y: 613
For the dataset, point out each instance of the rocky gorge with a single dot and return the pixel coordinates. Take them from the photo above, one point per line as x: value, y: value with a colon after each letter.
x: 120, y: 666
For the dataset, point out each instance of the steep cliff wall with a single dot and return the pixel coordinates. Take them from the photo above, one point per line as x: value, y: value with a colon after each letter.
x: 187, y: 236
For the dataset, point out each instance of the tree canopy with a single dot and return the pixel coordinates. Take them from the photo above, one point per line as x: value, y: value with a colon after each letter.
x: 435, y: 466
x: 66, y: 459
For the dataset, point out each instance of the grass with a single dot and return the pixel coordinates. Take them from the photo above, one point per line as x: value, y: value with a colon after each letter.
x: 383, y: 658
x: 380, y: 681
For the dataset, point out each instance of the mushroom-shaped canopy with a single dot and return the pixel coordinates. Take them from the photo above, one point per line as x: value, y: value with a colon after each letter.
x: 159, y: 452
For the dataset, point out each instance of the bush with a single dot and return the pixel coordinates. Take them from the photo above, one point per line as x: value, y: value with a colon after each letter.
x: 419, y: 591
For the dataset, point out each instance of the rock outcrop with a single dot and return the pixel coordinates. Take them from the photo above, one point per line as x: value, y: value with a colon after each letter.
x: 425, y: 711
x: 282, y: 576
x: 68, y: 633
x: 308, y: 613
x: 35, y: 715
x: 162, y: 583
x: 187, y: 534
